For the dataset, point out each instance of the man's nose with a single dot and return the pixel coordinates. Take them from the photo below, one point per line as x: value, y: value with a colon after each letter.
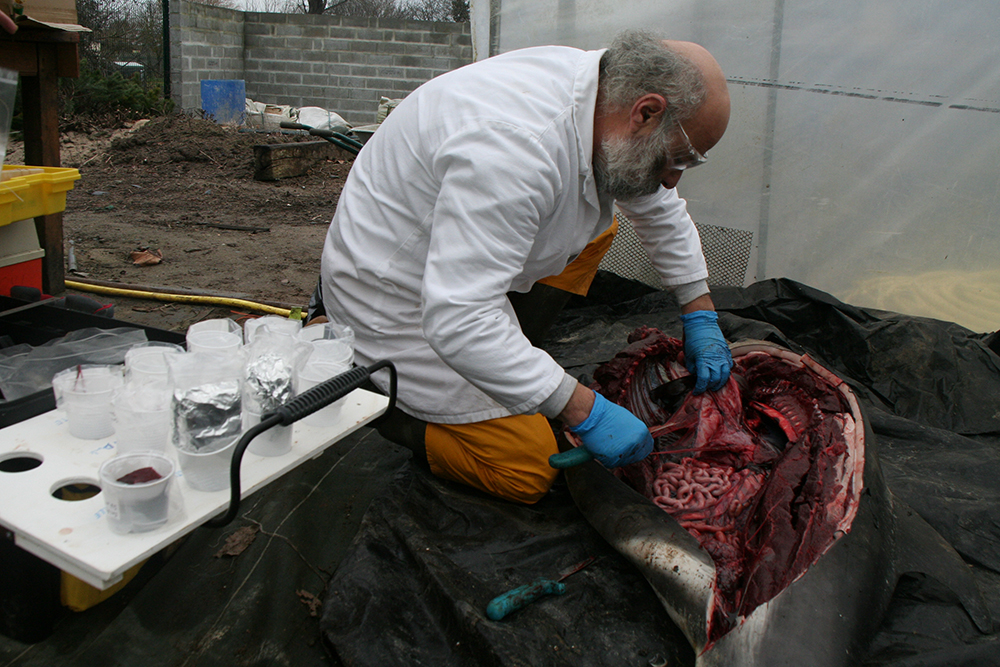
x: 670, y: 182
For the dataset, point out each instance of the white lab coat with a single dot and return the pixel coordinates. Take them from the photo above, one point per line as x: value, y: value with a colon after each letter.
x: 479, y: 183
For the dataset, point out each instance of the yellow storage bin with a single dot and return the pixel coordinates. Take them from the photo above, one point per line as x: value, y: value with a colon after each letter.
x: 78, y: 595
x: 29, y: 196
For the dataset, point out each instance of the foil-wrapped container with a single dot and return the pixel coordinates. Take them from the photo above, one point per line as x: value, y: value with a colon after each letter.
x: 207, y: 417
x: 269, y: 382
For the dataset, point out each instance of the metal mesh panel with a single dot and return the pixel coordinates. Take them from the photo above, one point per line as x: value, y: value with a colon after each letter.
x: 727, y: 253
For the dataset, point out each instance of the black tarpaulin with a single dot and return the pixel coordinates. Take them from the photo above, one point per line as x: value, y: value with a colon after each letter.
x: 200, y: 608
x: 412, y: 561
x: 414, y: 587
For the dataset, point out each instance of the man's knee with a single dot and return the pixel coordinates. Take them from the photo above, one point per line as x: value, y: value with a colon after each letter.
x: 505, y: 457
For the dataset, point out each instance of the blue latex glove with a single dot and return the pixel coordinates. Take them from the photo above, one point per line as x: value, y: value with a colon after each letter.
x: 706, y: 353
x: 613, y: 435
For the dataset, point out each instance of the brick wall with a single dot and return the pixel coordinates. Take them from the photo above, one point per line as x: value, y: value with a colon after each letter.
x: 342, y: 64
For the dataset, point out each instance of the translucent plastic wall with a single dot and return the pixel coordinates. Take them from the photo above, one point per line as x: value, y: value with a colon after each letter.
x: 864, y: 148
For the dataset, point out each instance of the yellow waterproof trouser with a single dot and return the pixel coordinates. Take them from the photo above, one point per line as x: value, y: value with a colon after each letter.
x: 506, y: 457
x: 509, y: 457
x: 578, y: 275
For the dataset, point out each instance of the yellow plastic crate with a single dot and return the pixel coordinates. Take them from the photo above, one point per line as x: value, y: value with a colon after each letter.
x: 78, y: 595
x: 24, y: 197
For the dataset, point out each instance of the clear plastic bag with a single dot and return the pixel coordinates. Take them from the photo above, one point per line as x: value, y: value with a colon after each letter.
x: 8, y: 91
x: 31, y: 369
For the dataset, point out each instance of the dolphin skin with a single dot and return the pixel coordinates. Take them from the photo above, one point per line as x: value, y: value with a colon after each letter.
x: 783, y: 565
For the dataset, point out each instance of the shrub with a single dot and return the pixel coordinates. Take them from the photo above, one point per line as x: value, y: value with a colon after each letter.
x: 108, y: 99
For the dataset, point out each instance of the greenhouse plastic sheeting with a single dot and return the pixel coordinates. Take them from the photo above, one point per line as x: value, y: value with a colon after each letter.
x: 863, y: 149
x: 430, y: 555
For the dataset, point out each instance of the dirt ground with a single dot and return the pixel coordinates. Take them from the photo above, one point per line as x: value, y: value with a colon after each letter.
x: 169, y: 185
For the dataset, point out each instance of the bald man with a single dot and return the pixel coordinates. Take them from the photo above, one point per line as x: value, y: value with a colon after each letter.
x: 482, y: 202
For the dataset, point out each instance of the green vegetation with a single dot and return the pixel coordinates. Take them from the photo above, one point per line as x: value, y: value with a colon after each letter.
x: 99, y: 99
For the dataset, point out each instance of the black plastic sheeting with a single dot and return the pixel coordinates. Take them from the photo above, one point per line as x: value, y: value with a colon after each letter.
x: 414, y: 587
x: 199, y: 608
x: 405, y: 564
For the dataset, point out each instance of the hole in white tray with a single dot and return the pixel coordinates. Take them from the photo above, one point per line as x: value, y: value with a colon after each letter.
x: 20, y: 461
x: 75, y: 489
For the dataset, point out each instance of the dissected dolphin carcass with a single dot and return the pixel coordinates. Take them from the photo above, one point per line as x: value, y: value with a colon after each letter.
x: 761, y: 519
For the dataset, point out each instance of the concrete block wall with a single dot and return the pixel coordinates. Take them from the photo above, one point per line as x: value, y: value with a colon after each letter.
x: 206, y: 42
x: 338, y: 63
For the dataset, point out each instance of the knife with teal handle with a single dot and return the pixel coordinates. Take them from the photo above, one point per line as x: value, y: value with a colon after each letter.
x: 522, y: 596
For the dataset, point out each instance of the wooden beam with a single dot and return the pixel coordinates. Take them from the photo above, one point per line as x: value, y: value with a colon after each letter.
x: 40, y: 100
x: 19, y: 56
x: 272, y: 162
x: 68, y: 60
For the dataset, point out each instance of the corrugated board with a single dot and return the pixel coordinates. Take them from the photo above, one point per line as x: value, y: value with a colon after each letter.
x: 57, y: 14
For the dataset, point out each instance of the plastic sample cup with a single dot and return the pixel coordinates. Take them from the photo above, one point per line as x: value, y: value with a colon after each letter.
x: 217, y: 324
x: 85, y: 394
x: 332, y: 351
x: 148, y: 361
x: 216, y: 342
x: 219, y: 335
x: 142, y: 416
x: 275, y: 441
x: 274, y: 323
x: 329, y: 359
x: 136, y: 488
x: 327, y: 331
x: 207, y: 469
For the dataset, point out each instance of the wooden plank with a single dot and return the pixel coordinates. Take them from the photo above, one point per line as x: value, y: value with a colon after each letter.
x: 19, y: 56
x: 40, y: 99
x: 20, y: 50
x: 68, y: 60
x: 40, y: 36
x: 273, y: 162
x: 50, y: 238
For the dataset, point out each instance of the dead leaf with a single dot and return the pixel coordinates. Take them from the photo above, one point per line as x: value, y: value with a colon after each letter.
x: 238, y: 542
x: 146, y: 257
x: 311, y: 601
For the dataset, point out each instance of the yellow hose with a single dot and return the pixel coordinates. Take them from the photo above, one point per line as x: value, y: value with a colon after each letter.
x: 179, y: 298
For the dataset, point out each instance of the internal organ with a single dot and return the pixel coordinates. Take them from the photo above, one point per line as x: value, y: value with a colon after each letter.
x: 755, y: 471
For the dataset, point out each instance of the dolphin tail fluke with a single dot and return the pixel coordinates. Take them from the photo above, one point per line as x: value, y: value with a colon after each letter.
x: 922, y: 549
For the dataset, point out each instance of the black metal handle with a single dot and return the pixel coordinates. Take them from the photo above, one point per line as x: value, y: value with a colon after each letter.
x: 350, y: 145
x: 298, y: 408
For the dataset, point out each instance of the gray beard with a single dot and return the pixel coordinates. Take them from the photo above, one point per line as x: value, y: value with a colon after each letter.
x: 630, y: 168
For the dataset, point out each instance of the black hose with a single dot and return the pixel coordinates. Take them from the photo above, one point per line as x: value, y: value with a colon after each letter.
x: 298, y: 408
x: 343, y: 141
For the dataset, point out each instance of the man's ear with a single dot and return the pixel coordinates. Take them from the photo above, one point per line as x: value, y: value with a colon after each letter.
x: 646, y: 113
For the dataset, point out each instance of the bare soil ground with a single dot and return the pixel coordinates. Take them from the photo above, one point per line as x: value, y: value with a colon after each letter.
x: 170, y: 184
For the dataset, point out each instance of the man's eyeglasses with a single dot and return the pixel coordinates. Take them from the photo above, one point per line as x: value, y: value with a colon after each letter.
x: 685, y: 157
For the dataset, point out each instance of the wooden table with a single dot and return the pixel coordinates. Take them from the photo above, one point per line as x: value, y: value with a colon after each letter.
x: 41, y: 57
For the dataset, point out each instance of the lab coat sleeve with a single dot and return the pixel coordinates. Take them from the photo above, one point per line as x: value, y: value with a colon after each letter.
x: 668, y: 235
x: 497, y: 183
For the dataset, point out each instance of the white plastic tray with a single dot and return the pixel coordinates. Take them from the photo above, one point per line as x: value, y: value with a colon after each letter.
x: 74, y: 535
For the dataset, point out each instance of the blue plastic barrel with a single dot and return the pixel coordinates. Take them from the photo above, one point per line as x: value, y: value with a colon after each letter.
x: 224, y: 100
